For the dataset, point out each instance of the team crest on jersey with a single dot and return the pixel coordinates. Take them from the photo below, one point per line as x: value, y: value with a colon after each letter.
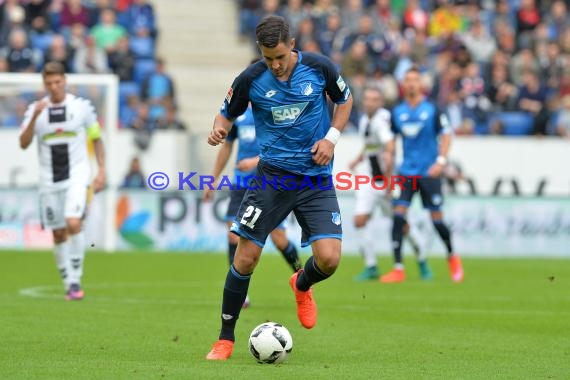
x: 306, y: 88
x: 229, y: 95
x: 424, y: 116
x: 288, y: 114
x: 336, y: 218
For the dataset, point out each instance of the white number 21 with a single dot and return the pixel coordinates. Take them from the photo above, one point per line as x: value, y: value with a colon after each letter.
x: 247, y: 214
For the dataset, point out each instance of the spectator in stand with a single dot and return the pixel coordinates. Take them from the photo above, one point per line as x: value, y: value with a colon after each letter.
x: 134, y: 179
x: 37, y: 14
x: 122, y: 60
x: 128, y: 112
x: 480, y: 44
x: 12, y: 16
x: 91, y: 59
x: 73, y: 12
x: 19, y: 54
x: 351, y: 13
x: 60, y: 51
x: 295, y: 12
x: 170, y: 120
x: 557, y: 19
x: 107, y: 32
x: 501, y: 92
x: 158, y: 89
x: 532, y: 100
x: 139, y: 19
x: 528, y: 17
x: 415, y: 17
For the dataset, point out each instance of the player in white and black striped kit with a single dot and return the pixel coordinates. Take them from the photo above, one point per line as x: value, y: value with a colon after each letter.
x: 62, y: 123
x: 375, y: 129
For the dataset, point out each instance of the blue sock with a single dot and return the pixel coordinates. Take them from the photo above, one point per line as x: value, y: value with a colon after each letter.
x: 231, y: 252
x: 235, y: 291
x: 292, y: 257
x: 445, y: 235
x: 397, y: 235
x: 310, y: 275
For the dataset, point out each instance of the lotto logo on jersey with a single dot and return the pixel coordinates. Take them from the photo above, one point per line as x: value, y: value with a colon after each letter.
x: 288, y: 114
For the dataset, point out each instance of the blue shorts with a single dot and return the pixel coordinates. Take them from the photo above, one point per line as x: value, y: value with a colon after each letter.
x: 265, y: 206
x: 236, y: 196
x: 430, y: 191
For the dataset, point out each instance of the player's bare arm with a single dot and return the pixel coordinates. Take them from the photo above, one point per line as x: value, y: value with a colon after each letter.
x: 221, y: 160
x: 247, y: 164
x: 28, y: 134
x: 220, y: 130
x: 357, y: 160
x: 437, y: 168
x: 100, y: 179
x: 323, y: 149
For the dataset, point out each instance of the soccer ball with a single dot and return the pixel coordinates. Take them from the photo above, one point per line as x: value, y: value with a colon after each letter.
x: 270, y: 342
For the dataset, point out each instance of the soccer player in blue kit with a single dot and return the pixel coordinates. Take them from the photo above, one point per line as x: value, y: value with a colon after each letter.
x: 296, y: 136
x: 247, y: 158
x: 426, y: 139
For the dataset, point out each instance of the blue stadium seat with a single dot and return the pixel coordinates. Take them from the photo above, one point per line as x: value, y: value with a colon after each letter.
x: 142, y: 47
x: 127, y: 89
x: 514, y: 123
x: 143, y: 67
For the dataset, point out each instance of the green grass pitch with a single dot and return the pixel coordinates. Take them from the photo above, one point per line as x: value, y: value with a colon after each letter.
x: 153, y: 316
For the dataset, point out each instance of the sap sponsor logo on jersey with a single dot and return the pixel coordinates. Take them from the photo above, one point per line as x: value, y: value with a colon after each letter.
x: 246, y: 133
x: 288, y: 114
x: 411, y: 129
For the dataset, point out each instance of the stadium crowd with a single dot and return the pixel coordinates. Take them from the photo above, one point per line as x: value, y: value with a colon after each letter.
x: 496, y: 67
x: 91, y: 37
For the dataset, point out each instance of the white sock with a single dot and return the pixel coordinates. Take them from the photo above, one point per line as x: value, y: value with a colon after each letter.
x: 366, y: 247
x: 61, y: 253
x: 76, y: 257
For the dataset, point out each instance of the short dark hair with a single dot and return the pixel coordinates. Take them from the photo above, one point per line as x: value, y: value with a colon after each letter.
x: 414, y: 69
x: 53, y: 68
x: 272, y: 30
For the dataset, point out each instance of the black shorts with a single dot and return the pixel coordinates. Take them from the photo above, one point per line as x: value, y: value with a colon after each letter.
x: 274, y: 193
x: 236, y: 196
x: 430, y: 191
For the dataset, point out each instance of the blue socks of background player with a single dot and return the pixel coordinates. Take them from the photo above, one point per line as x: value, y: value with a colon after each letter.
x: 231, y: 252
x: 397, y: 235
x: 235, y: 291
x: 292, y: 257
x: 445, y: 235
x: 310, y: 275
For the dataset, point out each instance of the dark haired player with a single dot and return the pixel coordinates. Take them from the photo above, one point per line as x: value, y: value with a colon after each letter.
x: 426, y: 140
x: 296, y: 136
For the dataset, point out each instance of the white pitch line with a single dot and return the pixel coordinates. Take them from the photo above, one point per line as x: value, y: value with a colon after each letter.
x: 46, y: 292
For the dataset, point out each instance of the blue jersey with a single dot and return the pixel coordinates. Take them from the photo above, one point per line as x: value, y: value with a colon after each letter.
x: 420, y: 128
x: 289, y: 116
x: 244, y: 131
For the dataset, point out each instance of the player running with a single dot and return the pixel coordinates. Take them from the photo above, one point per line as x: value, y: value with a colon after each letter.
x: 288, y: 93
x: 247, y: 158
x: 374, y: 128
x: 426, y: 139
